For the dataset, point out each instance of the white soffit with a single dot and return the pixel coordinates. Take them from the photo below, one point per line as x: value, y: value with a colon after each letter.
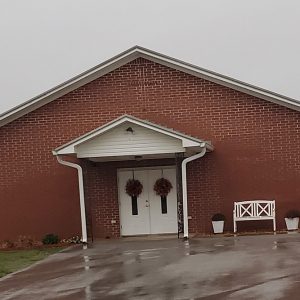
x: 128, y: 56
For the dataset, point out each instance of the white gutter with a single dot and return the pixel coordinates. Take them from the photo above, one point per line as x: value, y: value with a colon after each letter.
x: 184, y: 190
x: 81, y: 195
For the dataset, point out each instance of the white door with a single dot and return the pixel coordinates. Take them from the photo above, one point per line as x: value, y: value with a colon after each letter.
x: 163, y: 217
x: 151, y: 215
x: 133, y: 223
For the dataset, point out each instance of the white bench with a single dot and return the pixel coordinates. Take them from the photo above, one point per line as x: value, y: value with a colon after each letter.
x: 254, y: 210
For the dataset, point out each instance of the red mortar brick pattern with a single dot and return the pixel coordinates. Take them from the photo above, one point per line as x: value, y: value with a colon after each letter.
x: 256, y: 150
x: 102, y: 199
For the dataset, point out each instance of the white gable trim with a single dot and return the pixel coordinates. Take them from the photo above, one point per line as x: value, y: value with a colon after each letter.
x: 126, y: 57
x: 187, y: 141
x: 223, y: 80
x: 67, y: 87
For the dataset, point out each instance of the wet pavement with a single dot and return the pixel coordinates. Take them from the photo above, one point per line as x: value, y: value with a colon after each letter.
x: 247, y: 267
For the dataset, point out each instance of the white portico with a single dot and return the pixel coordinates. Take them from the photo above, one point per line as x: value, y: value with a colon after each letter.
x: 128, y: 138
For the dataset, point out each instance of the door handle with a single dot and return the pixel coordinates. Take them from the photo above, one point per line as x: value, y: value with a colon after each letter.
x: 147, y: 203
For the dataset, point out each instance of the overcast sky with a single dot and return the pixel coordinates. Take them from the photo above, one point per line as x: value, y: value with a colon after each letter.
x: 43, y: 43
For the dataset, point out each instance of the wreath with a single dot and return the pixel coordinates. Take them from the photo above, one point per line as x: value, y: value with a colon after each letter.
x: 162, y: 187
x: 134, y: 187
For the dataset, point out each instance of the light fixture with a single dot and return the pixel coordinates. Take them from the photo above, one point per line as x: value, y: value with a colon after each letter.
x: 129, y: 129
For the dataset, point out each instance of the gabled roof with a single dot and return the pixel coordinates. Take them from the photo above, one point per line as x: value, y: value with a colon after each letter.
x: 187, y: 141
x: 128, y: 56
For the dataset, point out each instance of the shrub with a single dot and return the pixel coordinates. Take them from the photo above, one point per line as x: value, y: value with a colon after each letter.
x: 293, y: 213
x: 218, y: 217
x: 50, y: 239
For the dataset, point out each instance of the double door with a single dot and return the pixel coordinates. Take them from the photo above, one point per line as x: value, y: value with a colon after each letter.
x: 149, y: 213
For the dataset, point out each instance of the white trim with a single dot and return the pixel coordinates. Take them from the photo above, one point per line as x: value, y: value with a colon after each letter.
x: 81, y: 195
x: 187, y: 141
x: 119, y: 170
x: 223, y: 80
x: 129, y: 55
x: 119, y: 202
x: 67, y: 86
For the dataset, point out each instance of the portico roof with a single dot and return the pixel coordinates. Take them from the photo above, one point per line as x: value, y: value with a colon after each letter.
x: 128, y: 137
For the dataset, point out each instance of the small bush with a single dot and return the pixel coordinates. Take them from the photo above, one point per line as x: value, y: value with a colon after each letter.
x: 50, y: 239
x: 218, y: 217
x: 293, y: 213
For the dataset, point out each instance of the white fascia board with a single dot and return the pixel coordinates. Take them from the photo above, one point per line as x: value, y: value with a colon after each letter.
x: 222, y: 80
x: 129, y: 55
x: 70, y: 148
x: 185, y: 142
x: 66, y: 87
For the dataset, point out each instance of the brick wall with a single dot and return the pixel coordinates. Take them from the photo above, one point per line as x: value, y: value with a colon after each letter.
x: 101, y: 192
x: 256, y: 149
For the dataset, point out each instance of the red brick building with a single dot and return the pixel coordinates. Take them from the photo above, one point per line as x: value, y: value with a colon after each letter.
x: 140, y: 115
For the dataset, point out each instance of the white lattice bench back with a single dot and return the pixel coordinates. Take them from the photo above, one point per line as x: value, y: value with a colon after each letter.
x: 254, y: 210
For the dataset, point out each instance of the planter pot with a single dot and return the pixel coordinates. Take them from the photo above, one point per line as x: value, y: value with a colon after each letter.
x: 292, y: 224
x: 218, y: 226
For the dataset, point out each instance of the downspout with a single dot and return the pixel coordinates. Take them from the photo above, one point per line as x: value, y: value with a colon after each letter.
x: 81, y: 195
x: 184, y: 190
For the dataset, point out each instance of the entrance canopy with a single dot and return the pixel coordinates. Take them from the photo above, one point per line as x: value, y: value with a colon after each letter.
x: 130, y: 138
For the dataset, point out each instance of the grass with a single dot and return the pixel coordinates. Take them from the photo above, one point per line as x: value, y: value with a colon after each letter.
x: 11, y: 261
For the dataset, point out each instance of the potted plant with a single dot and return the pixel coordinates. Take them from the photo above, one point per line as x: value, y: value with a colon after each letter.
x: 292, y: 219
x: 218, y: 223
